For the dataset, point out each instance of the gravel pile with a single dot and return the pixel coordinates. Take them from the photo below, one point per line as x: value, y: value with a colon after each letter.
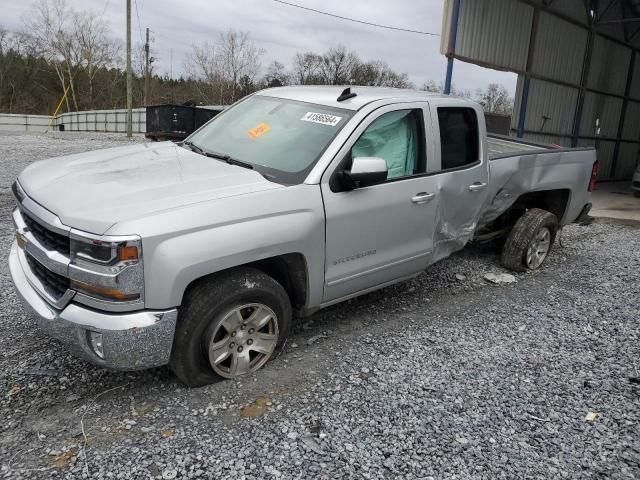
x: 445, y: 376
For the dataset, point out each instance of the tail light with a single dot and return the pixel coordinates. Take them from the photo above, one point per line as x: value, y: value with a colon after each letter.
x: 594, y: 175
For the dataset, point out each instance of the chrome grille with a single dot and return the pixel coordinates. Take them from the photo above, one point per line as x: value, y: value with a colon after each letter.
x: 56, y: 284
x: 50, y: 240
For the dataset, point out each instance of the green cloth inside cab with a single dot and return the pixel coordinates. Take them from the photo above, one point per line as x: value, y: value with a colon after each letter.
x: 393, y: 137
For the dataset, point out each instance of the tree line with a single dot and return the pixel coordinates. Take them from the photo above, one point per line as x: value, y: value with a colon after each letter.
x: 62, y: 49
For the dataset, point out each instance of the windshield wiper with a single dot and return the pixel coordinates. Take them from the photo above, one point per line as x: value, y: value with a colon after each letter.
x: 194, y: 147
x: 219, y: 156
x: 229, y: 160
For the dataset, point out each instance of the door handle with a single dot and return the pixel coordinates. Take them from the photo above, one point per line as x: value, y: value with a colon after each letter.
x: 477, y: 186
x: 423, y: 197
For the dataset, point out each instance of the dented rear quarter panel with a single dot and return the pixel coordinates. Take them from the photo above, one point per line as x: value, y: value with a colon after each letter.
x: 515, y: 175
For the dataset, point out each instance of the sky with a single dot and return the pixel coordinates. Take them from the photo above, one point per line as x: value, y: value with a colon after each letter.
x: 282, y: 31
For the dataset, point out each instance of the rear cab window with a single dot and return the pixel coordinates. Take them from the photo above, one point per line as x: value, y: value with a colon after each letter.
x: 459, y: 137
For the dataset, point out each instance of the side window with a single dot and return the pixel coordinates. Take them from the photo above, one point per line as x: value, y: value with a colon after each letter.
x: 398, y: 138
x: 459, y: 137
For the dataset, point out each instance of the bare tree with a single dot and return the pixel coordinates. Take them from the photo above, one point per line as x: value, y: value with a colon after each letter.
x: 379, y: 74
x: 276, y: 75
x: 306, y: 68
x: 203, y: 64
x: 96, y: 49
x: 227, y: 68
x: 495, y: 99
x: 431, y: 86
x: 50, y: 28
x: 337, y: 66
x: 238, y: 58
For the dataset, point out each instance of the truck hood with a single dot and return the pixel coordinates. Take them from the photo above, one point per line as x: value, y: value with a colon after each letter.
x: 93, y: 191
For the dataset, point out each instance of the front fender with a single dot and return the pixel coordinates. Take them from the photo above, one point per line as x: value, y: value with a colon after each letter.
x: 186, y: 244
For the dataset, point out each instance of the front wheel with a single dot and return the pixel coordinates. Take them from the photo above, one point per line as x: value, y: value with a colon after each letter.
x: 530, y: 240
x: 229, y: 326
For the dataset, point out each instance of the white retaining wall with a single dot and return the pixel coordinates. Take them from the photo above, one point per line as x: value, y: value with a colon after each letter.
x: 103, y: 121
x: 11, y: 122
x: 112, y: 121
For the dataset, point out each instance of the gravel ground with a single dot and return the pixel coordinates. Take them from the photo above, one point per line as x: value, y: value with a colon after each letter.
x: 445, y: 376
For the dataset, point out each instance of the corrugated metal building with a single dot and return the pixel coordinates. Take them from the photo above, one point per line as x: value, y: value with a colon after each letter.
x: 577, y: 62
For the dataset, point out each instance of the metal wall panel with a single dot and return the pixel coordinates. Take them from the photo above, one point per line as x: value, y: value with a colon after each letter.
x: 609, y: 66
x: 605, y: 156
x: 517, y: 102
x: 635, y: 82
x: 494, y: 32
x: 571, y: 8
x: 446, y: 26
x: 631, y: 129
x: 548, y: 139
x: 559, y: 49
x: 607, y: 109
x: 556, y: 102
x: 627, y: 160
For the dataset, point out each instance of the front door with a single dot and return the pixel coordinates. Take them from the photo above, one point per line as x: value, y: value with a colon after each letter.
x: 378, y: 234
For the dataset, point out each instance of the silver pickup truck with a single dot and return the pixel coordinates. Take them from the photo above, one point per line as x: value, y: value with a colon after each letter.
x: 199, y: 254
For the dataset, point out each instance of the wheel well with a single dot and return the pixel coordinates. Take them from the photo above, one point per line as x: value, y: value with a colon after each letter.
x: 554, y: 201
x: 289, y: 270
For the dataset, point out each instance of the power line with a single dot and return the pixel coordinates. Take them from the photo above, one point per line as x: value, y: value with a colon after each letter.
x: 106, y: 5
x: 389, y: 27
x: 135, y: 2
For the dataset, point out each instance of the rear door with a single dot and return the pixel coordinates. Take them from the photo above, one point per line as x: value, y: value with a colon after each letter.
x: 461, y: 171
x: 378, y: 234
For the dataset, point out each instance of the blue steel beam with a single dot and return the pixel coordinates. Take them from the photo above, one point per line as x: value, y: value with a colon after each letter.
x: 452, y: 45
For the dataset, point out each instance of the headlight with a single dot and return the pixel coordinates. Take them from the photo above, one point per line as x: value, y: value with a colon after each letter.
x: 106, y: 271
x: 103, y: 252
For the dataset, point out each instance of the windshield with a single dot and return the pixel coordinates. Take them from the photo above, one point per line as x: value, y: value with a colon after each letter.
x: 280, y: 138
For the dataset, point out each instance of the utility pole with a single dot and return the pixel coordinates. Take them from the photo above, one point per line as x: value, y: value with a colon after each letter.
x: 129, y: 79
x: 146, y: 70
x: 171, y: 75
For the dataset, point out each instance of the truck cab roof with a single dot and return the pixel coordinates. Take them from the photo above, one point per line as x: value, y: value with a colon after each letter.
x: 328, y: 95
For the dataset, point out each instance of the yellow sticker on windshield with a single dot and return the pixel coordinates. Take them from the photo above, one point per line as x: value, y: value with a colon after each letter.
x: 258, y: 131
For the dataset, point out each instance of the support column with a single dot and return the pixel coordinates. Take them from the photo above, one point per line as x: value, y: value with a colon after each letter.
x: 584, y: 75
x: 453, y: 33
x: 524, y: 100
x: 623, y: 114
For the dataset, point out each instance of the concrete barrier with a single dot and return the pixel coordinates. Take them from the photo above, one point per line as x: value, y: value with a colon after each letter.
x: 11, y: 122
x: 110, y: 121
x: 113, y: 121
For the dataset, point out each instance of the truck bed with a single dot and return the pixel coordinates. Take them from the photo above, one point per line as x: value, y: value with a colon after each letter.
x: 502, y: 146
x: 527, y: 167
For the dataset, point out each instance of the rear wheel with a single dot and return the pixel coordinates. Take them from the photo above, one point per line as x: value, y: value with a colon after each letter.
x: 636, y: 193
x: 229, y: 326
x: 530, y: 240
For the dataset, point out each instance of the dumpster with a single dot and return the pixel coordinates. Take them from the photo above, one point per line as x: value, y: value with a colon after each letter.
x: 176, y: 122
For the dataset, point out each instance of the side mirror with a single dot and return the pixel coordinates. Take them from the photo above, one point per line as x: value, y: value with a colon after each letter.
x: 364, y: 171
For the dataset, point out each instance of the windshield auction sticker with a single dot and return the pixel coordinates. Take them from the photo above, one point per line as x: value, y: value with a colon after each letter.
x: 258, y: 131
x: 323, y: 118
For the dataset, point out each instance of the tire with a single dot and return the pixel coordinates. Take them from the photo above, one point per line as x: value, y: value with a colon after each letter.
x: 525, y: 234
x: 209, y: 308
x: 636, y: 193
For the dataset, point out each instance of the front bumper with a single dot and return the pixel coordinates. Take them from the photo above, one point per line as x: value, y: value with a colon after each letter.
x: 131, y: 341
